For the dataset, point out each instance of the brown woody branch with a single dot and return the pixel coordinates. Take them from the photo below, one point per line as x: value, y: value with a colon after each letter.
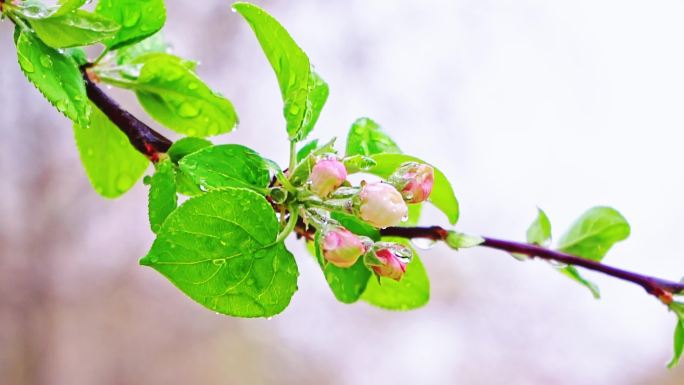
x: 660, y: 288
x: 146, y: 140
x: 151, y: 143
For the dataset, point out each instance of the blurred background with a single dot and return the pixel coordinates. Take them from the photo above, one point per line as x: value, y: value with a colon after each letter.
x: 561, y: 105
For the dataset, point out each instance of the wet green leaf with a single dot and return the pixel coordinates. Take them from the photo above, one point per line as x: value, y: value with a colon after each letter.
x: 176, y: 97
x: 413, y: 291
x: 220, y: 249
x: 367, y: 138
x: 226, y: 165
x: 112, y: 164
x: 139, y: 19
x: 74, y: 29
x: 55, y: 75
x: 162, y: 197
x: 304, y: 92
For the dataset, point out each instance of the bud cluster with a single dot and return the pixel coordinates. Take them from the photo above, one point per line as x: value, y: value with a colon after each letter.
x: 381, y: 204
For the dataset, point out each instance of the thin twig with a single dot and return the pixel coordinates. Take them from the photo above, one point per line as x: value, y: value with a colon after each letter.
x: 660, y: 288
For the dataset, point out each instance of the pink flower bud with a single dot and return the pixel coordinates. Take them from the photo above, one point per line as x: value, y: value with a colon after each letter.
x: 382, y: 205
x: 327, y: 175
x: 391, y: 261
x: 414, y: 181
x: 341, y: 247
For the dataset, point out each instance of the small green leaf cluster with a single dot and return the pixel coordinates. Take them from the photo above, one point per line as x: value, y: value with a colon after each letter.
x: 591, y: 236
x: 134, y: 56
x: 224, y: 245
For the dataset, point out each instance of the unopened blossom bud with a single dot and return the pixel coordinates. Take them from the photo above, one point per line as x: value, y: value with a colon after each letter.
x: 390, y: 260
x: 341, y: 247
x: 327, y: 175
x: 381, y: 205
x: 414, y: 181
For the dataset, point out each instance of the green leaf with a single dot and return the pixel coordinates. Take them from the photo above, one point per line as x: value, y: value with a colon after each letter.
x: 55, y: 75
x: 367, y: 138
x: 356, y: 225
x: 304, y: 92
x: 112, y: 164
x: 74, y: 29
x: 226, y: 165
x: 162, y: 198
x: 458, y: 241
x: 594, y: 233
x: 176, y: 97
x: 78, y: 55
x: 539, y: 232
x: 306, y: 150
x: 219, y: 248
x: 347, y: 284
x: 678, y: 344
x: 138, y: 19
x: 153, y: 44
x: 442, y: 195
x: 301, y: 173
x: 413, y: 291
x: 186, y: 146
x: 590, y: 237
x: 678, y: 309
x: 573, y: 274
x: 67, y: 6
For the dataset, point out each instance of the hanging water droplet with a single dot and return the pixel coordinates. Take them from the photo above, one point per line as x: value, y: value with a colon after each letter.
x: 423, y: 243
x: 558, y: 265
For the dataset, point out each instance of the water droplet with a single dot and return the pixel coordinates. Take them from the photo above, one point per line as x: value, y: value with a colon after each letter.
x: 131, y: 17
x: 62, y: 105
x: 294, y: 109
x: 123, y: 182
x: 219, y: 262
x: 423, y: 243
x: 193, y: 86
x: 269, y: 318
x: 46, y: 61
x: 558, y: 265
x: 26, y: 64
x: 187, y: 110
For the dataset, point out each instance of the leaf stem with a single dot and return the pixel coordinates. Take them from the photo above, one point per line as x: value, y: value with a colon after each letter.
x: 290, y: 226
x: 102, y: 55
x: 293, y: 157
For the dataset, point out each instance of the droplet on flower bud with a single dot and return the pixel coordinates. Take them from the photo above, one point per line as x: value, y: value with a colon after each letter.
x: 414, y: 181
x: 341, y: 247
x: 381, y: 205
x: 327, y: 175
x: 390, y: 260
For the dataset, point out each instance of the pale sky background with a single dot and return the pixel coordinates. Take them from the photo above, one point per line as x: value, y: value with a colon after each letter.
x: 561, y: 105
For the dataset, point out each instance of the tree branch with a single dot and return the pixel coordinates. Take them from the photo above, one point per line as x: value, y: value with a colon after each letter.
x: 143, y: 138
x: 660, y: 288
x: 151, y: 143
